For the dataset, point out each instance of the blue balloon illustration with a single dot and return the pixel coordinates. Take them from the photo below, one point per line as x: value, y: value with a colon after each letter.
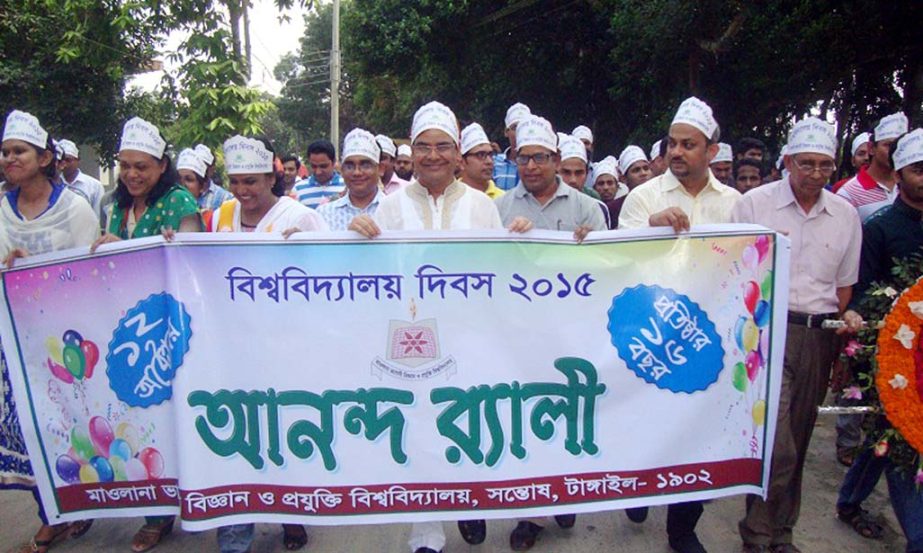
x: 103, y: 469
x: 120, y: 448
x: 68, y: 469
x: 761, y: 314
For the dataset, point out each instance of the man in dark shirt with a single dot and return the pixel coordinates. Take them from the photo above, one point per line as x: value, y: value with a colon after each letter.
x: 892, y: 233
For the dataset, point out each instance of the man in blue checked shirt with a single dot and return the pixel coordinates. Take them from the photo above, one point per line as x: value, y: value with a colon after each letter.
x: 360, y: 171
x: 325, y: 184
x: 506, y: 173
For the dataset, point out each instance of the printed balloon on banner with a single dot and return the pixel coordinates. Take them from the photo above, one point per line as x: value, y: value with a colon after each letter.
x: 152, y: 461
x: 135, y: 470
x: 103, y: 469
x: 71, y: 358
x: 129, y: 434
x: 68, y: 469
x: 101, y: 435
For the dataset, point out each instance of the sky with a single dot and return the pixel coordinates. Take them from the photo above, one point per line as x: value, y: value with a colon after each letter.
x: 270, y: 40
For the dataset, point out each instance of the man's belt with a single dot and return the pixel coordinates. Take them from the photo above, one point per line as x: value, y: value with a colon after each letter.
x: 810, y: 320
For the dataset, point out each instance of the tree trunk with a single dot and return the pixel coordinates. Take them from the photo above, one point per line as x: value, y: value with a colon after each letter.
x: 913, y: 90
x: 234, y: 16
x: 248, y: 60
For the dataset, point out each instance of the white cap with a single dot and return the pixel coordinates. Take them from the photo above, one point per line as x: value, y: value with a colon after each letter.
x: 471, y: 136
x: 655, y: 149
x: 68, y: 148
x: 725, y: 153
x: 516, y: 113
x: 608, y: 166
x: 782, y: 153
x: 360, y: 142
x: 246, y: 156
x: 205, y: 153
x: 859, y: 141
x: 190, y: 159
x: 582, y: 132
x: 434, y: 116
x: 25, y: 126
x: 562, y: 136
x: 404, y: 150
x: 811, y: 135
x: 697, y: 113
x: 909, y: 149
x: 630, y: 155
x: 536, y: 131
x: 571, y: 147
x: 58, y: 150
x: 138, y: 134
x: 386, y: 144
x: 891, y: 126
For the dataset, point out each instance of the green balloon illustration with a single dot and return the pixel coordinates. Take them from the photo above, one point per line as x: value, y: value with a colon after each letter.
x: 74, y: 361
x: 740, y: 377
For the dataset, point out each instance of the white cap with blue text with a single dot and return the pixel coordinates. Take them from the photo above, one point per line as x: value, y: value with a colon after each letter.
x: 608, y: 166
x: 360, y: 142
x: 891, y: 127
x: 404, y: 150
x: 191, y: 160
x: 655, y: 149
x: 582, y: 132
x: 25, y: 126
x: 698, y: 114
x: 629, y: 156
x: 572, y: 147
x: 471, y: 136
x: 859, y: 141
x: 434, y: 116
x: 141, y: 136
x: 205, y: 153
x: 725, y: 153
x: 246, y: 156
x: 516, y: 113
x: 812, y: 136
x: 536, y: 131
x: 69, y: 148
x: 909, y: 150
x: 386, y: 144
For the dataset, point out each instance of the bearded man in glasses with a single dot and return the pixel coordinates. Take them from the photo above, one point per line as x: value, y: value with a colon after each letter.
x: 826, y: 238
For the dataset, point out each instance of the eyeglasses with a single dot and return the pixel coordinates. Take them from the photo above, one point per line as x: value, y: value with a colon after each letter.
x: 364, y: 165
x: 442, y: 148
x: 826, y: 168
x: 539, y: 159
x: 482, y: 156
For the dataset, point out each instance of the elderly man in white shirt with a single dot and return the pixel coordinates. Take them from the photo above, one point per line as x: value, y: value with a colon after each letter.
x: 75, y: 179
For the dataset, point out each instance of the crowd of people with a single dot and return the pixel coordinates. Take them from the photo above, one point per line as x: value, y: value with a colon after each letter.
x: 451, y: 178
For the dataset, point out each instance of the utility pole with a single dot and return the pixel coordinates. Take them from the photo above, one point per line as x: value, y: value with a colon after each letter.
x: 335, y: 79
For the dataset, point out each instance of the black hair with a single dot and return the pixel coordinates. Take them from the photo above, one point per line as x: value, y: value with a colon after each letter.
x: 322, y: 147
x: 750, y: 143
x: 167, y: 179
x: 664, y: 146
x: 292, y: 157
x: 52, y: 167
x: 747, y: 162
x: 892, y: 149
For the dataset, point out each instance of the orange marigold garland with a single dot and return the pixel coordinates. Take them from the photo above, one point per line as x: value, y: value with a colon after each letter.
x: 899, y: 380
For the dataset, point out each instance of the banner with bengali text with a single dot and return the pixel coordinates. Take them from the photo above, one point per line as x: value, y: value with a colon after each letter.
x: 416, y: 376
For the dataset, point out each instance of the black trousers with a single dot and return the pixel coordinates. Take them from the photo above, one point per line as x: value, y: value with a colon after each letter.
x: 682, y: 518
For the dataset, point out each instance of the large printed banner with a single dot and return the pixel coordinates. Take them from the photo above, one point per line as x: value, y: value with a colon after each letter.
x: 413, y: 377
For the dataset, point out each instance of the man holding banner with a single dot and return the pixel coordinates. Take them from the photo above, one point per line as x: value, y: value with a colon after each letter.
x: 826, y: 238
x: 687, y: 194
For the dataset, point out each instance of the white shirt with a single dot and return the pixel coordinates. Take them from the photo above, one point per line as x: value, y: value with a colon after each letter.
x: 713, y: 204
x: 460, y: 207
x: 89, y: 188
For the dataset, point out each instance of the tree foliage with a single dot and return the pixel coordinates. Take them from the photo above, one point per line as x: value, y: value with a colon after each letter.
x: 622, y: 66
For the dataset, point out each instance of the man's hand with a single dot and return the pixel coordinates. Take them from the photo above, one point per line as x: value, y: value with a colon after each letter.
x: 581, y: 232
x: 670, y: 217
x: 853, y: 322
x: 520, y: 225
x: 364, y: 225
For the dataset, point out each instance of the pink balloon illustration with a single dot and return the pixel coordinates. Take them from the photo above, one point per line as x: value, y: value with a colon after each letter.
x: 152, y: 461
x: 751, y: 295
x: 101, y: 435
x: 762, y: 247
x: 753, y: 362
x: 60, y: 372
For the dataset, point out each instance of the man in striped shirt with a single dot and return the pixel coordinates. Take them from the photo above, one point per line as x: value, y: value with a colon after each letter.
x: 874, y: 186
x: 325, y: 184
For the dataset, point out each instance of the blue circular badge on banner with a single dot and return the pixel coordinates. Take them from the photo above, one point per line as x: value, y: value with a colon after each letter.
x: 147, y: 349
x: 665, y: 338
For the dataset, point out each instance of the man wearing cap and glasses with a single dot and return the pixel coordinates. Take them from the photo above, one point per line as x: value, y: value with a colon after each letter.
x: 825, y: 239
x: 477, y: 162
x: 686, y: 194
x: 873, y: 188
x: 506, y: 175
x: 434, y: 200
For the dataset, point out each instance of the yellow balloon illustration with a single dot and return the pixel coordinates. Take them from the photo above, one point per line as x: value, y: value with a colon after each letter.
x: 55, y: 349
x: 88, y: 475
x: 751, y: 336
x: 759, y: 412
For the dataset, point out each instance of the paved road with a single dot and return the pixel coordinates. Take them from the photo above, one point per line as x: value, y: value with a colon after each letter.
x: 818, y: 530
